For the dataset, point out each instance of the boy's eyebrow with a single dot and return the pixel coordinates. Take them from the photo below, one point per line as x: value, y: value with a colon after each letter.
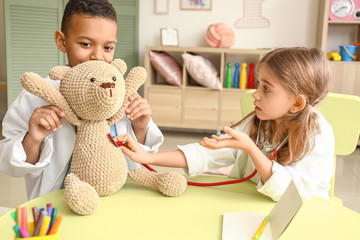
x: 90, y: 39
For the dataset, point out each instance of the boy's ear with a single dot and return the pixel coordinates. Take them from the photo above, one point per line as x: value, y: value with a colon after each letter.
x: 59, y: 37
x: 299, y: 104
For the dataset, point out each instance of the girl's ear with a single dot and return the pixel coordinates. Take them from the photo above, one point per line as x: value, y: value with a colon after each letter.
x: 60, y: 41
x: 299, y: 104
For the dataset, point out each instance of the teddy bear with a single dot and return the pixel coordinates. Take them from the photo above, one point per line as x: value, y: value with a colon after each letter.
x: 94, y: 95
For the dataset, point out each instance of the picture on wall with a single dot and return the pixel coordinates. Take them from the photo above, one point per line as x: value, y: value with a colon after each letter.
x: 196, y: 5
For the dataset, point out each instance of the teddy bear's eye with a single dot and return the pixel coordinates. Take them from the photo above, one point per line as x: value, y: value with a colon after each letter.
x: 114, y: 79
x: 92, y: 79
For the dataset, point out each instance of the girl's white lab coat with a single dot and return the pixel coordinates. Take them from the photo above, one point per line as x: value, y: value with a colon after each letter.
x: 48, y: 174
x: 311, y: 175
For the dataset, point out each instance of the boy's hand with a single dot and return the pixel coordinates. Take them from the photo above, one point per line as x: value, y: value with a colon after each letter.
x: 139, y: 112
x: 132, y: 149
x: 44, y: 121
x: 238, y: 140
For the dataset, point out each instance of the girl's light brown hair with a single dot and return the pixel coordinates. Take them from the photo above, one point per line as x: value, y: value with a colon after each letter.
x: 301, y: 71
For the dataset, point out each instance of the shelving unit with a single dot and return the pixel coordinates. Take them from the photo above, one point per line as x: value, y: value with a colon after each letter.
x: 345, y: 76
x: 192, y: 106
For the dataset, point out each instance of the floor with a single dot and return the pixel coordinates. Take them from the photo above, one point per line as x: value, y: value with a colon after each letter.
x: 347, y: 186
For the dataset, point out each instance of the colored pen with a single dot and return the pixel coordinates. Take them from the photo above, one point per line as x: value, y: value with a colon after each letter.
x: 261, y: 228
x: 35, y: 217
x: 38, y: 218
x: 56, y: 225
x: 24, y: 217
x: 44, y: 226
x: 53, y: 217
x: 13, y: 215
x: 24, y: 233
x: 34, y: 213
x: 17, y: 231
x: 39, y: 223
x: 18, y: 216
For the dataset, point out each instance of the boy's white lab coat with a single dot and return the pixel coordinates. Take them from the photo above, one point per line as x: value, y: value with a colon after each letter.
x: 311, y: 175
x: 47, y: 175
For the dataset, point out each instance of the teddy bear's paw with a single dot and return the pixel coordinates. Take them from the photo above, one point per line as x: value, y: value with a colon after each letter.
x: 171, y: 184
x: 81, y: 197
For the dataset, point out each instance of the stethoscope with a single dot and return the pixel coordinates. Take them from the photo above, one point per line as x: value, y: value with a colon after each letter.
x: 274, y: 152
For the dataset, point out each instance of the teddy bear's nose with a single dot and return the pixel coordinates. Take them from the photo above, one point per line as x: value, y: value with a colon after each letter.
x: 108, y: 85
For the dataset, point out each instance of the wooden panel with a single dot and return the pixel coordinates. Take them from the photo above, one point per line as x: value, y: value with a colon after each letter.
x: 345, y: 77
x: 201, y: 108
x: 30, y: 46
x: 166, y: 105
x: 230, y: 107
x: 127, y: 34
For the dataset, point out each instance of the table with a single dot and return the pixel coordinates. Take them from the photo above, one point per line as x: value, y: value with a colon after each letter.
x: 137, y: 212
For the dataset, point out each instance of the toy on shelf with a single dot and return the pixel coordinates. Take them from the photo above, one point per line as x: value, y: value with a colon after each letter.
x: 333, y: 56
x: 220, y: 35
x: 236, y: 76
x: 228, y: 76
x: 251, y: 76
x: 348, y: 52
x: 243, y: 76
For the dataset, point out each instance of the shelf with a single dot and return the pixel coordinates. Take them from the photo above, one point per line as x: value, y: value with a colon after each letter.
x: 344, y: 22
x: 344, y: 76
x: 197, y: 107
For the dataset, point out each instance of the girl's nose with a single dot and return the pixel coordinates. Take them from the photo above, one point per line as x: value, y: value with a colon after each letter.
x: 255, y: 95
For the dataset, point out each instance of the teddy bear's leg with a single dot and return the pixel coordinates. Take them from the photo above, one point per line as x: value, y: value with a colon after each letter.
x: 81, y: 197
x: 170, y: 183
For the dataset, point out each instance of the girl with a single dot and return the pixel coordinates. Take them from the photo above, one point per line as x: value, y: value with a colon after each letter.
x: 291, y: 82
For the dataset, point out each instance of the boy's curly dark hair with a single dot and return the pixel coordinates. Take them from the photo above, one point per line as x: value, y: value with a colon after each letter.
x: 94, y: 8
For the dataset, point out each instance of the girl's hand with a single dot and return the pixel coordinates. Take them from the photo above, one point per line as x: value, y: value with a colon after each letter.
x: 133, y: 150
x: 238, y: 140
x: 139, y: 112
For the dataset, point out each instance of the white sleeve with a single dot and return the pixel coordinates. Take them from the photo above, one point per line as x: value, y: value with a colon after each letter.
x: 15, y: 126
x: 200, y: 159
x: 311, y: 175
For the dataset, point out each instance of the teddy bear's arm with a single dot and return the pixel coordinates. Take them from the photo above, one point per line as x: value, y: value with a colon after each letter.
x: 36, y: 85
x: 135, y: 78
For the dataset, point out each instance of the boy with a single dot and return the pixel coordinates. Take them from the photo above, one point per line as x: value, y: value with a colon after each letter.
x: 38, y: 144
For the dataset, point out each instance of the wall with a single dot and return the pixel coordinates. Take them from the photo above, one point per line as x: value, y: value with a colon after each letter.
x: 293, y: 23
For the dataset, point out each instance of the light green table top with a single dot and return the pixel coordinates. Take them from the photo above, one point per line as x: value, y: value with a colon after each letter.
x: 137, y: 212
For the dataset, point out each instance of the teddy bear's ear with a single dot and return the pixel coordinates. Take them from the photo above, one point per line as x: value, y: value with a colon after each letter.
x: 120, y: 64
x: 58, y: 72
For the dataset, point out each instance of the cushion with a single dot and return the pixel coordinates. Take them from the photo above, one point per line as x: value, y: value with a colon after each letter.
x: 167, y: 67
x: 202, y: 71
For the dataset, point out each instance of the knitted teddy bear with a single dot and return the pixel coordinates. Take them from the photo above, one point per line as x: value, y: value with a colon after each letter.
x: 94, y: 95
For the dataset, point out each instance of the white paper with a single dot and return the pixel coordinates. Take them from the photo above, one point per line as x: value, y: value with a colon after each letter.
x: 243, y: 225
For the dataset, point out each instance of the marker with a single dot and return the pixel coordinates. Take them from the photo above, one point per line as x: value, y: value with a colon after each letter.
x: 18, y: 216
x: 13, y: 215
x: 24, y: 233
x: 17, y: 231
x: 24, y: 217
x: 44, y: 226
x: 49, y: 211
x: 261, y: 228
x: 39, y: 223
x: 53, y: 217
x: 56, y: 225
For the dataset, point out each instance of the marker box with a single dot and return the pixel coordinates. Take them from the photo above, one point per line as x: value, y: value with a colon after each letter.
x: 54, y: 236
